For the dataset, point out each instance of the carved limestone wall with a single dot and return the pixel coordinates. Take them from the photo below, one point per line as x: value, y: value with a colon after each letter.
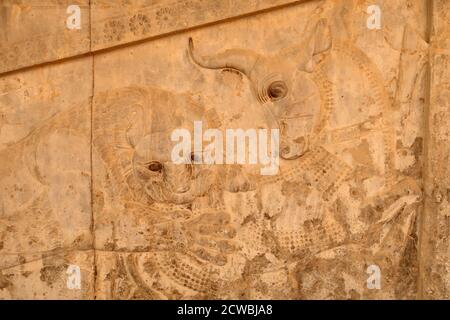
x: 92, y: 205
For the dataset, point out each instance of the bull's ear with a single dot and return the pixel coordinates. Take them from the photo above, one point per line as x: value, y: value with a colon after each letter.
x: 306, y: 54
x: 322, y: 37
x: 318, y: 44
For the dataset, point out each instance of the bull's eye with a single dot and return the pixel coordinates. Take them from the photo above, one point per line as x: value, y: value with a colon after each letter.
x: 277, y: 90
x: 155, y: 166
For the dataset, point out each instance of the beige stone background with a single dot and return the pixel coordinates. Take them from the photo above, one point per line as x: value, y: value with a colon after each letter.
x: 85, y: 176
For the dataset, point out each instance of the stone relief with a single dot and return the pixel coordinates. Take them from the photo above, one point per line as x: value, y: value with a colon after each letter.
x: 349, y: 193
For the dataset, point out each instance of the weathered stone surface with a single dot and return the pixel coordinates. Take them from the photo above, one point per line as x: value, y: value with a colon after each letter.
x: 34, y: 32
x: 435, y: 254
x: 440, y: 23
x: 45, y: 178
x: 46, y: 278
x: 363, y: 174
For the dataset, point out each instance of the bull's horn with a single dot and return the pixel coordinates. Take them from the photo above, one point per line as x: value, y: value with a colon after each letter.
x: 237, y: 59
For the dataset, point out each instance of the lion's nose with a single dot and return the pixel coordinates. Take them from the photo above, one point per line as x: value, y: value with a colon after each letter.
x: 293, y: 148
x: 181, y: 188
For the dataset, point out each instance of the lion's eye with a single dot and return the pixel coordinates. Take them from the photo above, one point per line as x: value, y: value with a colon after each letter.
x: 277, y: 90
x: 155, y: 166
